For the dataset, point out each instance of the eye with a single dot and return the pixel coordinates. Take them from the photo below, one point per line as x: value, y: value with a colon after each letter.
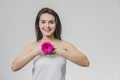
x: 52, y: 22
x: 42, y: 22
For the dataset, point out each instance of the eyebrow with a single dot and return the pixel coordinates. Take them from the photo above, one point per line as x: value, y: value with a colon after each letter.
x: 45, y: 20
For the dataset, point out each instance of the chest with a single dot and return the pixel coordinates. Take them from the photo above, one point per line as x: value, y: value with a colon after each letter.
x: 50, y: 61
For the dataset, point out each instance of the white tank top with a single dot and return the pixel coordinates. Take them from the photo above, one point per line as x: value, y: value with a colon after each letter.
x: 49, y: 67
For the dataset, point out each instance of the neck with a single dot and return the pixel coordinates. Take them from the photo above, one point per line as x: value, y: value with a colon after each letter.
x: 48, y: 38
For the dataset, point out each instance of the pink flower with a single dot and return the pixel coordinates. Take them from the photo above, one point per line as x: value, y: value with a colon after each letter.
x: 47, y: 47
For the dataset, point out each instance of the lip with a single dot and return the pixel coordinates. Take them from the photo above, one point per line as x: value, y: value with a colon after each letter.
x: 47, y: 30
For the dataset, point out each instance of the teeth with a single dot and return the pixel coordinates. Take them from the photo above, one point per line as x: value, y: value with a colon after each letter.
x: 47, y: 30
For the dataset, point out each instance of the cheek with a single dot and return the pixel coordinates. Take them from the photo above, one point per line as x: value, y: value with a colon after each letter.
x: 54, y: 27
x: 40, y: 26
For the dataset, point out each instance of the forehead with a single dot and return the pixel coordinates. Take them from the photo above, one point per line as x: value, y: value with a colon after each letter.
x: 47, y: 16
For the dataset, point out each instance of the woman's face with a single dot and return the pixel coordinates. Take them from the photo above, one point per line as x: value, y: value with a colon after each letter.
x: 47, y: 24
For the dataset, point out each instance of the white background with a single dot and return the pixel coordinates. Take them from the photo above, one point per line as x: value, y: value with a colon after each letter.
x: 93, y: 26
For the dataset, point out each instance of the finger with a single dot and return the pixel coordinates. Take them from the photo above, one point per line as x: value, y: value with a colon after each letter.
x: 54, y: 49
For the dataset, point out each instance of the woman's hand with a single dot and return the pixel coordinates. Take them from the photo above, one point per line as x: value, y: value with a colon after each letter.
x: 30, y: 51
x: 36, y: 49
x: 58, y: 49
x: 70, y: 52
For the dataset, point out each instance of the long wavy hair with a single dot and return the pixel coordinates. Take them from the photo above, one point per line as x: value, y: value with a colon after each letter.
x: 57, y: 33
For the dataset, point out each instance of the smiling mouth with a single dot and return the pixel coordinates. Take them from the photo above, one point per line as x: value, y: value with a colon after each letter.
x: 47, y: 30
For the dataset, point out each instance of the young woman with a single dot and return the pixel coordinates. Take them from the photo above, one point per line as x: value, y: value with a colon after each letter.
x: 51, y: 66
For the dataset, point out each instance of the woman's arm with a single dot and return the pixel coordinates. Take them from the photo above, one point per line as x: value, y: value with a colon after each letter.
x: 24, y: 57
x: 71, y: 53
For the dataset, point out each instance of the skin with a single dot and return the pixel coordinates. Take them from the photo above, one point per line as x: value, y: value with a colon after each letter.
x: 64, y: 48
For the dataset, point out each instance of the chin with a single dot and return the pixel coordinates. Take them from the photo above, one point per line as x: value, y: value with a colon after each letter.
x: 47, y: 35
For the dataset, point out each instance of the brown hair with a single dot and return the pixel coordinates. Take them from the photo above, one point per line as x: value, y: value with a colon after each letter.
x: 57, y: 33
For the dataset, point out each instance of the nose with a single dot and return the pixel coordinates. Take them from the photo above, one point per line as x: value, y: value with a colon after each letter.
x: 47, y: 25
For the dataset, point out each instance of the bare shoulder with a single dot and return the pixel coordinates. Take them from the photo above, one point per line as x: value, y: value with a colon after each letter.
x: 67, y: 43
x: 30, y: 45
